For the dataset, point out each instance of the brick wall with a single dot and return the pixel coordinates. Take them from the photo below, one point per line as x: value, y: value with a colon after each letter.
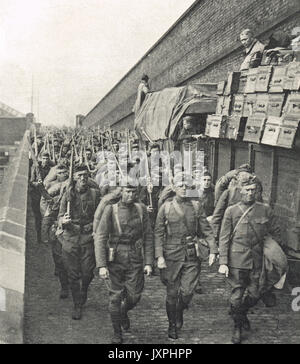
x: 202, y: 46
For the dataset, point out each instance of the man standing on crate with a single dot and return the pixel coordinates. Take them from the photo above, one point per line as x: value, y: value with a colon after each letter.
x: 179, y: 224
x: 253, y: 50
x: 244, y: 227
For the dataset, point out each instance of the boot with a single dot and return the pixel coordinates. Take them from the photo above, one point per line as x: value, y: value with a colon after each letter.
x: 76, y: 314
x: 171, y: 312
x: 246, y: 323
x: 125, y: 322
x: 179, y: 313
x: 237, y: 319
x: 84, y: 289
x: 75, y: 289
x: 64, y: 283
x: 236, y: 334
x: 83, y: 296
x: 269, y: 299
x: 116, y: 324
x: 198, y: 289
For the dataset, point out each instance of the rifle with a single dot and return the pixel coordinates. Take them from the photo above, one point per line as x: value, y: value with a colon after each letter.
x: 146, y: 135
x: 85, y: 159
x: 102, y: 141
x: 147, y: 165
x: 53, y: 151
x: 36, y: 165
x: 35, y: 143
x: 128, y: 143
x: 48, y: 144
x: 70, y: 184
x: 93, y: 143
x: 114, y: 152
x: 60, y: 152
x: 81, y: 151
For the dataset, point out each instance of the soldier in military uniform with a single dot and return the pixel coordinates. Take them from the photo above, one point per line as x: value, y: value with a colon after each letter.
x: 124, y: 250
x: 179, y: 223
x: 244, y: 228
x: 49, y: 227
x: 38, y: 174
x: 75, y: 234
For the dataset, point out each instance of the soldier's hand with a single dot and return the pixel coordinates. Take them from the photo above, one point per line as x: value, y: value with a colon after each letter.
x: 150, y: 187
x: 103, y: 273
x: 150, y: 209
x: 148, y: 270
x: 212, y: 259
x: 224, y: 270
x: 66, y: 219
x: 40, y: 182
x: 161, y: 263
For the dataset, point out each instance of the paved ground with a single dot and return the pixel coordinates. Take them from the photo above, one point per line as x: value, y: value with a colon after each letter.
x: 47, y: 319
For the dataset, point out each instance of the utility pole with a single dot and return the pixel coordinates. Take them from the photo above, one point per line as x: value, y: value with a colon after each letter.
x: 31, y: 109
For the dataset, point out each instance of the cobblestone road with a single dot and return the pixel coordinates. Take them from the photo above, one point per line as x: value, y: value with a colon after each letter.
x: 48, y: 319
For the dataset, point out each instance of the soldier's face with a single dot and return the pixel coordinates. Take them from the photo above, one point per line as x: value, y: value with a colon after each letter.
x: 206, y: 182
x: 88, y: 155
x: 45, y: 160
x: 248, y: 193
x: 155, y: 151
x: 180, y: 189
x: 82, y: 179
x: 129, y: 195
x: 62, y: 175
x: 246, y: 40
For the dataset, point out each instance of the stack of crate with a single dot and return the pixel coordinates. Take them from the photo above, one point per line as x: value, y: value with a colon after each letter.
x: 261, y: 105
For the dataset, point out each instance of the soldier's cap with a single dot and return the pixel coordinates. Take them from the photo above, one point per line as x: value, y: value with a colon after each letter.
x: 45, y: 154
x: 245, y: 167
x: 128, y: 182
x: 178, y: 168
x: 88, y: 150
x: 145, y: 77
x: 154, y: 145
x: 135, y: 145
x: 182, y: 178
x: 188, y: 117
x: 81, y: 168
x: 206, y: 173
x: 62, y: 167
x: 248, y: 180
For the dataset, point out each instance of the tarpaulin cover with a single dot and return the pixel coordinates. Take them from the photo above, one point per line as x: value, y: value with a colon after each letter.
x: 161, y: 111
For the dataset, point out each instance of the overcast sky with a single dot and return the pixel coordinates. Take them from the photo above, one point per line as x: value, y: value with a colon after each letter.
x: 77, y: 50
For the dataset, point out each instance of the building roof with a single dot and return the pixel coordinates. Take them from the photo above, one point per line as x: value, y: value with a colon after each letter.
x: 7, y: 111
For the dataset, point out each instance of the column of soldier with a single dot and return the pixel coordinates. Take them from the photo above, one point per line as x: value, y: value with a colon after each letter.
x: 99, y: 221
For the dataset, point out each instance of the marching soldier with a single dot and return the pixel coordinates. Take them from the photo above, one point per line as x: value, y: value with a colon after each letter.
x: 179, y: 223
x: 49, y: 227
x: 125, y: 233
x: 76, y: 237
x: 244, y: 228
x: 38, y: 174
x: 142, y: 91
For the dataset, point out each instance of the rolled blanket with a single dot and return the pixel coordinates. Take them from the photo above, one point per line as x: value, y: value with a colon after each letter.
x: 275, y: 266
